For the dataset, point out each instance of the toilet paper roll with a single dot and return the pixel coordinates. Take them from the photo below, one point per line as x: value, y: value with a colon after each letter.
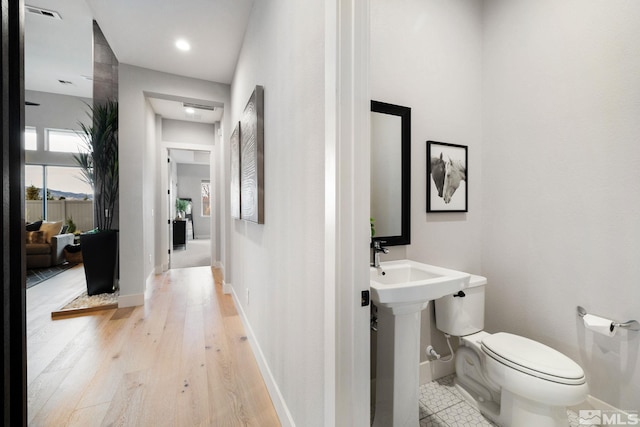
x: 599, y: 325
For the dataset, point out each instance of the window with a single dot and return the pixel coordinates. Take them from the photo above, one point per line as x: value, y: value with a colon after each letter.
x: 65, y: 141
x: 30, y: 138
x: 68, y: 183
x: 205, y: 192
x: 58, y: 193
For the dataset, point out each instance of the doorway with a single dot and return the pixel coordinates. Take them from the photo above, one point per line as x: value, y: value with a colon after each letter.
x: 189, y: 203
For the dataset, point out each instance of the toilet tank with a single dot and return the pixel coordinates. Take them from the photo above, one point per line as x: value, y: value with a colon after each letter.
x: 460, y: 316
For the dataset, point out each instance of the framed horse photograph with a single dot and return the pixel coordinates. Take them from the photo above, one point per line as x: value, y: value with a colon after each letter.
x: 446, y: 177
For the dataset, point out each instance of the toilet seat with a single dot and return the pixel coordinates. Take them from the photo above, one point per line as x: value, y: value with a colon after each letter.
x: 532, y: 358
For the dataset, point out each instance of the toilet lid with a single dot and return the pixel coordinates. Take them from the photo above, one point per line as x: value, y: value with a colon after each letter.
x: 533, y: 358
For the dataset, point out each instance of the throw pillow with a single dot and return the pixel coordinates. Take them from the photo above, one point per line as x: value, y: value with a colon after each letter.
x: 51, y: 229
x: 34, y: 226
x: 35, y: 236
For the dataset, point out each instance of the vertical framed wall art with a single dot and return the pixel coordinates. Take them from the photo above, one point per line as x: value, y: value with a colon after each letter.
x: 252, y: 158
x: 235, y: 173
x: 446, y: 177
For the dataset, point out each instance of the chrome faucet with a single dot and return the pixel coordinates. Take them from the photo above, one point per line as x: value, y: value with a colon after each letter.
x: 377, y: 248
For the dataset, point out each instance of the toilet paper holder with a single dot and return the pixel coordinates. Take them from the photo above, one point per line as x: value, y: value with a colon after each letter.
x: 631, y: 325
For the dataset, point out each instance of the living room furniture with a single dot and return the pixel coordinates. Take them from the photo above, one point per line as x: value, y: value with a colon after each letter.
x: 73, y: 252
x: 179, y: 233
x: 45, y: 246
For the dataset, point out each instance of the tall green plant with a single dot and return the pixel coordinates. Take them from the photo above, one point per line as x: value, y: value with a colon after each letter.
x: 99, y: 165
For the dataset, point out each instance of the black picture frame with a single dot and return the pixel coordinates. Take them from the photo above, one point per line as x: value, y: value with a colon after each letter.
x: 447, y: 194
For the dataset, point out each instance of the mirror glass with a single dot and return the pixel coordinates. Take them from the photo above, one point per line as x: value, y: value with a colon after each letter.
x: 390, y: 172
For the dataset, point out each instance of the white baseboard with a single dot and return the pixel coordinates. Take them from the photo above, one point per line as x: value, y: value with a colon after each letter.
x: 227, y: 288
x: 279, y: 403
x: 130, y: 300
x: 432, y: 370
x: 626, y: 416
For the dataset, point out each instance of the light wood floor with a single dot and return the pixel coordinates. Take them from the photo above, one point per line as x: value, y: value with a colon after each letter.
x: 182, y: 359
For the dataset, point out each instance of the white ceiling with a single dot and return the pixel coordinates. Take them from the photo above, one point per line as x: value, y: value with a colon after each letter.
x: 59, y: 49
x: 140, y: 33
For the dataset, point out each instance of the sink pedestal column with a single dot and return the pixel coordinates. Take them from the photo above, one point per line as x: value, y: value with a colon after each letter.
x: 398, y: 366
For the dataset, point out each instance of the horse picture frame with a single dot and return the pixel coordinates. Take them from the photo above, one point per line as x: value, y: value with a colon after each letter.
x: 447, y: 185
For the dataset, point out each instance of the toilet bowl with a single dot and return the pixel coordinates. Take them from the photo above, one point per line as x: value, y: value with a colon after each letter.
x: 512, y: 380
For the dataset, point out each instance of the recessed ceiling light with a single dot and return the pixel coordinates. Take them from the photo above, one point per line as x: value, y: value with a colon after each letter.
x: 189, y: 110
x: 183, y: 45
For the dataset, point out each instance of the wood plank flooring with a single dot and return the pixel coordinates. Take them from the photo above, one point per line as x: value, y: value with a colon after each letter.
x: 182, y: 359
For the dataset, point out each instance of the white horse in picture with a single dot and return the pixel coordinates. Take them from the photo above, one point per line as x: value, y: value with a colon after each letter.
x: 455, y: 171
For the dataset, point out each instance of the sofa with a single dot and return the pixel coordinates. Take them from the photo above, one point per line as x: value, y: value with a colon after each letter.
x: 45, y: 243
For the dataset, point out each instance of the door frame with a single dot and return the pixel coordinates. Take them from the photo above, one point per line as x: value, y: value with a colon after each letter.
x: 13, y: 297
x: 164, y: 212
x: 347, y: 201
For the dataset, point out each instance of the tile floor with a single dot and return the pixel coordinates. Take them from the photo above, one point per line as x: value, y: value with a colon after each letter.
x: 441, y: 405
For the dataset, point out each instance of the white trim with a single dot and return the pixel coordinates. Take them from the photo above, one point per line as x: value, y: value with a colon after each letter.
x: 432, y: 370
x: 148, y: 285
x: 227, y: 288
x: 130, y: 300
x: 347, y: 199
x: 279, y: 403
x: 595, y: 403
x: 163, y: 170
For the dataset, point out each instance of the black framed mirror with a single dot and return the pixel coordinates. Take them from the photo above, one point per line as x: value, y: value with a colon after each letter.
x: 391, y: 173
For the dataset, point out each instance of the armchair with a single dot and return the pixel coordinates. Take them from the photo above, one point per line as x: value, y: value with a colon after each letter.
x: 45, y: 248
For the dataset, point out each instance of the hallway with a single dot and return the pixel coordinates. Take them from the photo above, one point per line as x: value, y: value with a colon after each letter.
x: 181, y: 360
x: 196, y: 253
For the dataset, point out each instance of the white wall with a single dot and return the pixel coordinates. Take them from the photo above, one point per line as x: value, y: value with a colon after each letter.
x: 148, y: 197
x: 56, y: 112
x: 189, y: 179
x: 427, y: 56
x: 560, y: 165
x: 279, y: 265
x: 187, y: 132
x: 137, y: 159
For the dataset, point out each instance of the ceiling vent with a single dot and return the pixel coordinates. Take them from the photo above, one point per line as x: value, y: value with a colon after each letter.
x: 42, y: 12
x: 198, y: 106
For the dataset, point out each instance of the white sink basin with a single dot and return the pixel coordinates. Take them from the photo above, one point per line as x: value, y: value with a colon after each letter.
x: 401, y: 289
x: 409, y: 282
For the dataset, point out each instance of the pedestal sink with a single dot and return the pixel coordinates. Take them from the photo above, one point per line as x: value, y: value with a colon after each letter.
x: 401, y: 290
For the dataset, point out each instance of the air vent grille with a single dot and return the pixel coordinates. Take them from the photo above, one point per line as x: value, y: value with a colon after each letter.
x: 43, y: 12
x: 198, y: 106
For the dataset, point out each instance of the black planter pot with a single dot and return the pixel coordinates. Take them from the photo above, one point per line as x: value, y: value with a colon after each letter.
x: 100, y: 255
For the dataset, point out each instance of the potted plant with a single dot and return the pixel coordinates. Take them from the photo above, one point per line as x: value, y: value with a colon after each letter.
x: 181, y: 207
x: 99, y: 167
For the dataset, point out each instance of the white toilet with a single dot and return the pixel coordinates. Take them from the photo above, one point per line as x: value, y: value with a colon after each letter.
x: 512, y: 380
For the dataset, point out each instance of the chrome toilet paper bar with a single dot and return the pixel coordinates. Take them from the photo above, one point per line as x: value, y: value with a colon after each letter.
x: 631, y: 325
